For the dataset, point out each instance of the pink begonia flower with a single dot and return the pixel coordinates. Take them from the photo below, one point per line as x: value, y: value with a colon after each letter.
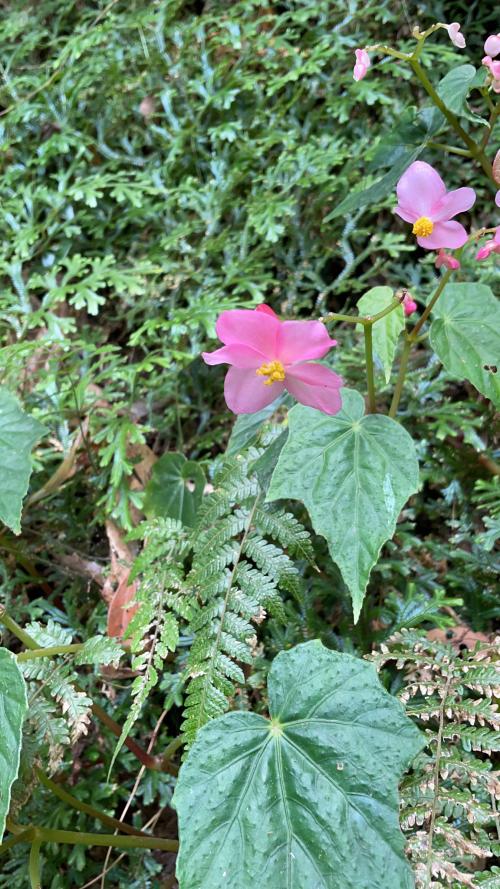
x: 424, y: 201
x: 447, y: 260
x: 494, y: 69
x: 268, y: 356
x: 454, y: 34
x: 492, y: 45
x: 492, y: 246
x: 362, y: 64
x: 409, y: 305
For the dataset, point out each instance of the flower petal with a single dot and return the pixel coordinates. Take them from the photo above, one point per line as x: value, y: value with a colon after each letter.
x: 246, y: 393
x: 300, y: 340
x: 263, y: 307
x: 419, y: 189
x: 445, y: 234
x: 246, y: 327
x: 407, y: 215
x: 457, y: 201
x: 316, y: 386
x: 492, y: 45
x: 237, y: 354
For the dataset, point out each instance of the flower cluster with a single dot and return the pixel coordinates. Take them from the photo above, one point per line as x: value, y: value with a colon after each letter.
x: 492, y: 49
x: 268, y: 356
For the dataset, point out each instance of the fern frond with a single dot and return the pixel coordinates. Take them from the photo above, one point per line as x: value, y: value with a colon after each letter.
x: 448, y: 800
x: 162, y: 601
x: 240, y: 570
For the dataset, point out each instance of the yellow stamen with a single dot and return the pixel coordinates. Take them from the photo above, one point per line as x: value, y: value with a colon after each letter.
x: 274, y: 371
x: 423, y: 227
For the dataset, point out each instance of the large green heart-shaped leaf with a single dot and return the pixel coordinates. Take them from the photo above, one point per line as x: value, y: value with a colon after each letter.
x: 386, y: 331
x: 307, y: 799
x: 13, y: 707
x: 465, y: 334
x: 175, y: 489
x: 354, y: 474
x: 18, y: 434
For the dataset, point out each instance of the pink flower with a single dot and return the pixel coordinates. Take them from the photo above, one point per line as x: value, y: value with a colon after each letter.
x: 409, y: 304
x: 491, y: 246
x: 447, y: 260
x: 362, y: 64
x: 423, y: 200
x: 492, y: 45
x: 494, y: 69
x: 454, y: 34
x: 268, y: 356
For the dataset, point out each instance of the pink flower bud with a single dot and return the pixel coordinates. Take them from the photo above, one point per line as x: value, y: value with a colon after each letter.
x: 409, y: 304
x: 454, y: 34
x: 496, y: 168
x: 492, y: 45
x: 362, y: 64
x: 491, y: 246
x: 447, y: 260
x: 494, y: 69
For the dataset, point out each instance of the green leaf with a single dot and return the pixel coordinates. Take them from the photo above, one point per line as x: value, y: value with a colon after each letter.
x: 99, y: 650
x: 307, y: 798
x: 175, y: 489
x: 465, y: 334
x: 386, y: 331
x: 13, y: 708
x: 454, y: 88
x: 18, y: 434
x: 398, y: 149
x: 380, y: 189
x: 354, y: 474
x: 247, y: 427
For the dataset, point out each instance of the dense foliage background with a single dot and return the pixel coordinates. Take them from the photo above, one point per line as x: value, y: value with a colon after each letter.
x: 161, y: 162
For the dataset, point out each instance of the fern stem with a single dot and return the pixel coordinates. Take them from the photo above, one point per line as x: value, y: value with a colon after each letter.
x: 84, y: 807
x: 34, y: 868
x: 436, y: 778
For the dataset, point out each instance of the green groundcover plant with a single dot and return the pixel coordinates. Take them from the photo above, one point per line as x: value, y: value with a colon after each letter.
x: 251, y: 651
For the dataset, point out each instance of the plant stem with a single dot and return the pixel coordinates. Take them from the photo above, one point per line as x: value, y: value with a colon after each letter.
x: 428, y: 309
x: 361, y: 319
x: 334, y: 316
x: 49, y: 652
x: 76, y: 838
x: 412, y: 338
x: 170, y: 750
x: 474, y: 149
x: 388, y: 309
x: 23, y: 837
x: 75, y: 803
x: 16, y: 630
x: 34, y: 864
x: 401, y: 378
x: 463, y: 152
x: 370, y: 370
